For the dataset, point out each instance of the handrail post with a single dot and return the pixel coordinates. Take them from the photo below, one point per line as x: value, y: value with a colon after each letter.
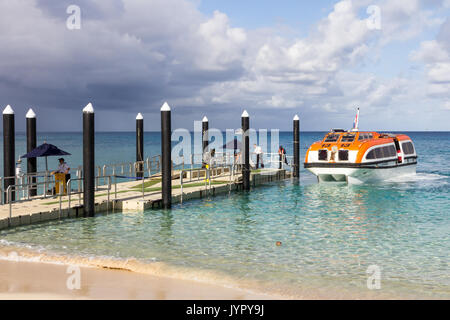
x: 8, y: 191
x: 79, y: 191
x: 109, y: 187
x: 61, y: 192
x: 181, y: 186
x: 230, y: 169
x: 143, y: 179
x: 69, y: 189
x: 206, y: 185
x: 115, y: 187
x: 45, y: 184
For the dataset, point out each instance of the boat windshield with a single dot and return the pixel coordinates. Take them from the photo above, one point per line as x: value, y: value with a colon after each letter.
x: 348, y: 138
x: 332, y: 137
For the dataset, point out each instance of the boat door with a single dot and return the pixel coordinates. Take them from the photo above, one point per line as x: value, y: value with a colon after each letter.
x: 399, y: 151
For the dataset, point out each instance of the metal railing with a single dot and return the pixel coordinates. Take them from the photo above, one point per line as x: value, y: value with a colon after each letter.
x: 62, y: 192
x: 210, y: 173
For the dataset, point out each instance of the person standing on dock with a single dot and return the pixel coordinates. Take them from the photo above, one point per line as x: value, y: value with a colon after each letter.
x: 283, y: 158
x: 209, y: 158
x: 259, y: 156
x: 63, y: 168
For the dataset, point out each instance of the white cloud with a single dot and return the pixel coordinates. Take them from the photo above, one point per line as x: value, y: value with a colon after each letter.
x: 134, y: 54
x: 435, y: 54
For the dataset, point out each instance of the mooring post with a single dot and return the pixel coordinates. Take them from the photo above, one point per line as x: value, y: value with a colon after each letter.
x: 166, y: 149
x: 140, y: 145
x: 246, y: 141
x: 31, y: 144
x: 296, y: 127
x: 9, y: 151
x: 88, y: 161
x: 205, y: 138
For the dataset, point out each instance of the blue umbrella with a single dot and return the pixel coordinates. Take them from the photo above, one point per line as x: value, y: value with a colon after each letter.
x: 234, y: 145
x: 45, y: 150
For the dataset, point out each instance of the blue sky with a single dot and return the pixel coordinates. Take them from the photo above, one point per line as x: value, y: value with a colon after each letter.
x: 318, y: 59
x: 253, y: 14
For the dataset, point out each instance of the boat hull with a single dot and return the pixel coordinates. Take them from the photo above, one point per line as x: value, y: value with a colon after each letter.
x: 361, y: 175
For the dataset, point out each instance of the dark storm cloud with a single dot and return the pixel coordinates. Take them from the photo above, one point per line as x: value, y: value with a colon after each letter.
x: 130, y: 56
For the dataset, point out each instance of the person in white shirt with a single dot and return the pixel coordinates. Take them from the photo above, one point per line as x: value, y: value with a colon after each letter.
x: 63, y: 167
x: 259, y: 154
x: 19, y: 168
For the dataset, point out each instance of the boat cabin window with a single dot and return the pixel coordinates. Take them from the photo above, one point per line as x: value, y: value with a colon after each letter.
x: 332, y: 137
x: 348, y: 138
x: 390, y: 151
x: 343, y: 155
x: 408, y: 148
x: 382, y: 152
x: 365, y: 136
x: 323, y: 154
x: 371, y: 155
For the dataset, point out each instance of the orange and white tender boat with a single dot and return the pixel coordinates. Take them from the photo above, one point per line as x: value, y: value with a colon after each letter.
x: 360, y: 156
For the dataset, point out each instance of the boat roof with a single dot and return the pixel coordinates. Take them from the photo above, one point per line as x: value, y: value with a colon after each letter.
x: 368, y: 135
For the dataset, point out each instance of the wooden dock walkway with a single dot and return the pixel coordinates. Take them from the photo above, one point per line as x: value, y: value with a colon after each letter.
x: 128, y: 196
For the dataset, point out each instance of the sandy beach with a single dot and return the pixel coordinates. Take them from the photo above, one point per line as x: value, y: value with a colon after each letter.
x: 32, y: 280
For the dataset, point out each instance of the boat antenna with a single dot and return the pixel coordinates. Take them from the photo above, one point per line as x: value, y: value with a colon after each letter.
x: 356, y: 121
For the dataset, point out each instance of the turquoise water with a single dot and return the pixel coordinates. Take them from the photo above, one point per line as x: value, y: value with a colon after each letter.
x: 330, y: 233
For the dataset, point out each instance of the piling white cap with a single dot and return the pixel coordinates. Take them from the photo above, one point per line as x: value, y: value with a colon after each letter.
x: 139, y: 116
x: 244, y: 114
x: 296, y: 117
x: 205, y: 119
x: 89, y: 108
x: 165, y: 107
x: 30, y: 114
x: 8, y: 110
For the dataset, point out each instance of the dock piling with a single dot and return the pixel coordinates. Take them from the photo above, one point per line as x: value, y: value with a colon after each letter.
x: 245, y: 121
x: 205, y: 138
x: 31, y: 144
x: 166, y: 149
x: 296, y: 127
x: 9, y: 149
x: 140, y: 145
x: 88, y: 160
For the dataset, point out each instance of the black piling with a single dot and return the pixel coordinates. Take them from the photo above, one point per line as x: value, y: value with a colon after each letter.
x: 296, y: 128
x: 88, y: 161
x: 205, y: 138
x: 246, y: 141
x: 31, y: 144
x: 9, y: 149
x: 166, y: 149
x: 140, y: 145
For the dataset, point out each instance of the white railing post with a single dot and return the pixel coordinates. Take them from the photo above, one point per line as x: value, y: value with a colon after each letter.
x: 181, y: 186
x: 69, y: 190
x: 8, y: 191
x: 109, y: 187
x: 61, y: 192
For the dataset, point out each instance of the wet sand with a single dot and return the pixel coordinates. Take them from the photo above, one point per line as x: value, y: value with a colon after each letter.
x: 35, y: 280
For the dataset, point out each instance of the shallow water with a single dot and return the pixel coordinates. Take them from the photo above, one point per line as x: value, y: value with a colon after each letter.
x: 330, y: 234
